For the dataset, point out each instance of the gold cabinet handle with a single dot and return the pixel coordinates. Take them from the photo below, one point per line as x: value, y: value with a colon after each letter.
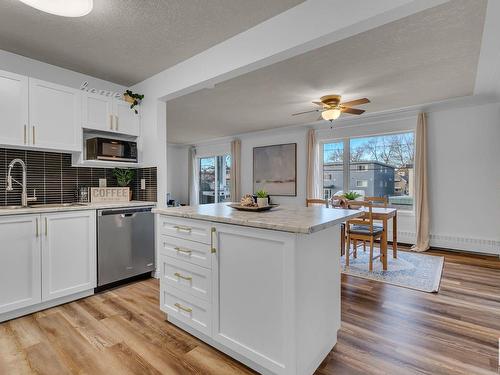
x: 181, y: 250
x: 183, y: 228
x: 189, y: 278
x: 33, y: 128
x: 46, y: 228
x: 111, y: 122
x: 186, y: 309
x: 25, y: 133
x: 36, y: 228
x: 116, y: 122
x: 213, y: 250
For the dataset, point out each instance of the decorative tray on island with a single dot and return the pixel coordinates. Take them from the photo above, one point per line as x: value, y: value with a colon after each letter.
x: 239, y: 207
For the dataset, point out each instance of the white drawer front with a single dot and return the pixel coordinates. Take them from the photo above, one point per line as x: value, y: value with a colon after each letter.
x: 186, y: 308
x: 194, y: 230
x: 194, y: 280
x: 189, y: 251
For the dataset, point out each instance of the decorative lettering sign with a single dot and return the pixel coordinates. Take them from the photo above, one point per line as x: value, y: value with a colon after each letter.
x: 119, y: 194
x: 85, y: 87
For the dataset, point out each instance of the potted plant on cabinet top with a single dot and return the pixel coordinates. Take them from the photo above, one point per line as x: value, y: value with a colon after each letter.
x: 133, y: 99
x: 124, y: 177
x: 262, y: 198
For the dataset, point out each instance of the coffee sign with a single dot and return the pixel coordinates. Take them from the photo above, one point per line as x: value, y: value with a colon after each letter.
x: 118, y: 194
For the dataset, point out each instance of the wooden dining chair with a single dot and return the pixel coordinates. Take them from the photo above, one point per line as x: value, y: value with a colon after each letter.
x: 310, y: 202
x: 362, y: 229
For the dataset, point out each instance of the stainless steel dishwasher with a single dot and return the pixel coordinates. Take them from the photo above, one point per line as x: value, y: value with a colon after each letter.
x: 125, y: 244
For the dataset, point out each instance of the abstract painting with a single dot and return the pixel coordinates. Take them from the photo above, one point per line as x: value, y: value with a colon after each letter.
x: 275, y: 169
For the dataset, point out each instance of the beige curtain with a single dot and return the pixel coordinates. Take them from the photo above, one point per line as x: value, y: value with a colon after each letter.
x: 236, y: 170
x: 421, y: 194
x: 194, y: 190
x: 313, y: 166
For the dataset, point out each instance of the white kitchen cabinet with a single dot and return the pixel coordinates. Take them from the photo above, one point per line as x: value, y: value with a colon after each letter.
x: 55, y: 116
x: 126, y: 121
x: 13, y: 109
x: 68, y: 253
x: 109, y: 114
x: 97, y: 111
x: 20, y: 281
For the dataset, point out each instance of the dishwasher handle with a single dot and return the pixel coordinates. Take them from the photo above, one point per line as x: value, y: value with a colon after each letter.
x: 127, y: 215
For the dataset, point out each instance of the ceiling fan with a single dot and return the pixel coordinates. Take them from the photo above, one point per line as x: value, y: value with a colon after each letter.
x: 331, y: 107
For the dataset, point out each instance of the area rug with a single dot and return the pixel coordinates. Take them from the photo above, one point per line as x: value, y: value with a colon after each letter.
x: 410, y: 270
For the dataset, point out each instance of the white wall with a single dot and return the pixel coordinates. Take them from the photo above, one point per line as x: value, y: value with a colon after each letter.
x: 37, y: 69
x: 464, y: 177
x: 177, y: 173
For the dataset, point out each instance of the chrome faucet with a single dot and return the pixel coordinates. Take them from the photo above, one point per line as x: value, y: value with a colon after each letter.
x: 24, y: 196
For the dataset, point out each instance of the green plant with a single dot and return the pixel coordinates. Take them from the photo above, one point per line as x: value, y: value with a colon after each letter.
x: 351, y: 195
x: 135, y: 99
x: 123, y: 176
x: 261, y: 194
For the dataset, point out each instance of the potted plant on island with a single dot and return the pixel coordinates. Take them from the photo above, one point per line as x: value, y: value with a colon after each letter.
x: 124, y: 177
x: 262, y: 198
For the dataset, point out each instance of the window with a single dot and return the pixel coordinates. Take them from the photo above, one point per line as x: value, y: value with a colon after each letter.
x: 215, y: 179
x: 333, y: 169
x: 377, y: 166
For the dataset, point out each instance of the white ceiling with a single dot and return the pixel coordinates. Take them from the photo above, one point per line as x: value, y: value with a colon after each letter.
x: 426, y: 57
x: 127, y: 41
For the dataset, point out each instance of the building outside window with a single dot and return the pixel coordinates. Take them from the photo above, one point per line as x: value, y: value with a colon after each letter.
x: 379, y: 166
x: 215, y: 179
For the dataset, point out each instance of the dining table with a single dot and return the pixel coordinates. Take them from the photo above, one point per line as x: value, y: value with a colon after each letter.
x: 383, y: 214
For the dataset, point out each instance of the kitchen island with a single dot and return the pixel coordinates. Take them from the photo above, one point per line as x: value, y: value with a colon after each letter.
x: 262, y: 287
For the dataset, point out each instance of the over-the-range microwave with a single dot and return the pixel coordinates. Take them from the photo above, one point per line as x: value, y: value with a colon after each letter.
x: 111, y: 150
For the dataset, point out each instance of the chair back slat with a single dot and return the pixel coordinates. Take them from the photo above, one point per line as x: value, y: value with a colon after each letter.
x: 310, y: 202
x: 366, y: 219
x: 382, y: 200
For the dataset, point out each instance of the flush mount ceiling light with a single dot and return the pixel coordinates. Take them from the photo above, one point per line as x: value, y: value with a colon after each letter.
x: 64, y: 8
x: 331, y: 107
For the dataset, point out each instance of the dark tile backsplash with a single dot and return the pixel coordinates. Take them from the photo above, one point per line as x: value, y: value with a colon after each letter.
x: 56, y: 181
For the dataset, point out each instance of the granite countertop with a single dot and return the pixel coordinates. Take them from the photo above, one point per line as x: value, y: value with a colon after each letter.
x: 293, y: 219
x: 76, y: 207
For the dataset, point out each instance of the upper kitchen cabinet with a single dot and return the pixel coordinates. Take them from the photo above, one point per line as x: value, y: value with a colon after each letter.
x: 55, y: 116
x: 98, y: 112
x: 13, y: 109
x: 126, y: 121
x: 109, y: 114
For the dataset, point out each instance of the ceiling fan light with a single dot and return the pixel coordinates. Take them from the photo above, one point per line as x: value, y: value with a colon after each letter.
x: 64, y: 8
x: 331, y: 114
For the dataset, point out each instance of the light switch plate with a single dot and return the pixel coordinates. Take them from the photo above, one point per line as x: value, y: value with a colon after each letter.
x: 143, y: 184
x: 102, y: 182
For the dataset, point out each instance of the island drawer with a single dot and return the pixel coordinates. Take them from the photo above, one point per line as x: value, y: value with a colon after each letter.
x: 189, y: 278
x: 187, y: 309
x: 194, y: 230
x: 189, y: 251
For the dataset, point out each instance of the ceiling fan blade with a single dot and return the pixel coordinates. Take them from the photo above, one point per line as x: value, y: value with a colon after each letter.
x: 352, y: 111
x: 319, y: 118
x: 319, y: 103
x: 356, y: 102
x: 301, y: 113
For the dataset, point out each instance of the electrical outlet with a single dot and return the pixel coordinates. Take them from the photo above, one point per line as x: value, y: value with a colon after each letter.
x: 143, y: 184
x: 103, y: 182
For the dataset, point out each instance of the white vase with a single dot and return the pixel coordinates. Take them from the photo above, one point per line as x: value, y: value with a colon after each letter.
x: 262, y: 202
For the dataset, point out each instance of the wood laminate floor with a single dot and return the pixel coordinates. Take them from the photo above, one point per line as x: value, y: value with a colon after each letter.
x: 385, y: 330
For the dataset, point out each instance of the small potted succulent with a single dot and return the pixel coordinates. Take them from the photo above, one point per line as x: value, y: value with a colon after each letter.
x: 133, y: 99
x: 262, y: 198
x: 124, y: 177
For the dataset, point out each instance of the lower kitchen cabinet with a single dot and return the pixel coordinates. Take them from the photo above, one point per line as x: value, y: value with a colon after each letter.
x: 20, y: 281
x: 45, y: 260
x: 68, y: 253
